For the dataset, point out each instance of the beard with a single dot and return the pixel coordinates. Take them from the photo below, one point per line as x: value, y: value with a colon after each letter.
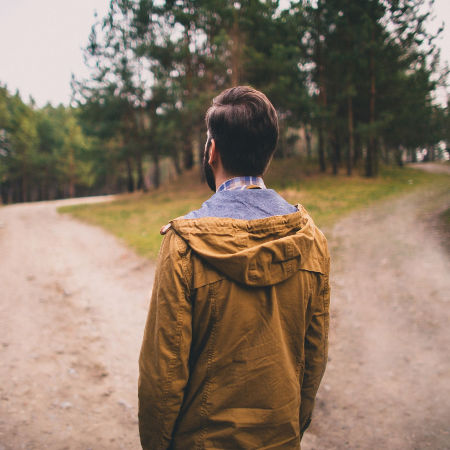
x: 207, y: 170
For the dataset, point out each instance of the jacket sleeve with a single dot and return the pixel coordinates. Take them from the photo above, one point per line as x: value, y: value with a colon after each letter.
x: 164, y: 357
x: 316, y: 349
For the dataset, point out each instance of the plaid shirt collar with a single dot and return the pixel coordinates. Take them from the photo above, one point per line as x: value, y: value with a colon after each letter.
x: 247, y: 182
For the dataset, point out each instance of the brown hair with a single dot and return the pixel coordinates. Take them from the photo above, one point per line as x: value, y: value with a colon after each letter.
x: 244, y: 126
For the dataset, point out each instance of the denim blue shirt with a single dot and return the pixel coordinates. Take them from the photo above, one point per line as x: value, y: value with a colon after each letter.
x: 247, y: 204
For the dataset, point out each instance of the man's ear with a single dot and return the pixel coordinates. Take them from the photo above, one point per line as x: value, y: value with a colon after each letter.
x: 213, y: 153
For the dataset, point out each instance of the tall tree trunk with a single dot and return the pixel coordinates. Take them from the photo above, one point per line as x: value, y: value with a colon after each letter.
x: 323, y: 123
x: 176, y: 164
x: 71, y: 174
x: 140, y: 172
x: 337, y: 146
x: 188, y: 152
x: 322, y: 93
x: 357, y: 156
x: 398, y: 156
x: 17, y: 195
x: 334, y: 159
x: 350, y: 149
x: 3, y: 192
x: 321, y: 147
x: 333, y: 147
x: 24, y: 182
x: 308, y: 141
x: 10, y: 193
x: 156, y: 172
x: 46, y: 185
x: 384, y: 152
x: 371, y: 163
x: 130, y: 180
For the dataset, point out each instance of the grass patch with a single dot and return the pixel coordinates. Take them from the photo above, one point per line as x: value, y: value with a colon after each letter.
x: 137, y: 219
x: 327, y: 197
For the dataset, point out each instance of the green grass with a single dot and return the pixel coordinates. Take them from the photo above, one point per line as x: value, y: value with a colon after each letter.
x: 137, y: 219
x: 327, y: 198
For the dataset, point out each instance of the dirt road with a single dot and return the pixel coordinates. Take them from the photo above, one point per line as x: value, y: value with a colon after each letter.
x: 387, y: 381
x: 74, y: 302
x: 73, y: 306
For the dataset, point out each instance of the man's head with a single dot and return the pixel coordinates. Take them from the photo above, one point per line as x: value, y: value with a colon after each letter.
x: 244, y: 127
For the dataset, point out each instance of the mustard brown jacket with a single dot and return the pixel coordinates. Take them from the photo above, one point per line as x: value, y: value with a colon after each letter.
x: 235, y: 343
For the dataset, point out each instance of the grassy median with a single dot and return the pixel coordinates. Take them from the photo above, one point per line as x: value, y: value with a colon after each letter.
x: 137, y: 218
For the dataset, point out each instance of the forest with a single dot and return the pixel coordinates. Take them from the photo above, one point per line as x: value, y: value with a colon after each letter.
x: 353, y: 83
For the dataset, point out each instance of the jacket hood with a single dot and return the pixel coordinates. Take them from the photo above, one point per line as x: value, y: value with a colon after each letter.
x: 259, y: 252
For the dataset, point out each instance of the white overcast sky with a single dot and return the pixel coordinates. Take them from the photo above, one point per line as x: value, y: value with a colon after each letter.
x: 41, y: 42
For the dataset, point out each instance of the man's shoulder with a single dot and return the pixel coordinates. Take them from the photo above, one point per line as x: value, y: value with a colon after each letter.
x: 173, y: 245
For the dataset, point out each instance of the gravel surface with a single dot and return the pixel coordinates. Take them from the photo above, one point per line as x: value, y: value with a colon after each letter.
x: 74, y: 302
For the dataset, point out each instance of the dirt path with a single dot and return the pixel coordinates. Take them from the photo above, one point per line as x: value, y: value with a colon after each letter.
x: 387, y: 382
x: 74, y: 302
x: 432, y: 167
x: 72, y: 311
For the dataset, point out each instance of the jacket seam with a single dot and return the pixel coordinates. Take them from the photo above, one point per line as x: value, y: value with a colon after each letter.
x: 184, y: 265
x: 209, y: 364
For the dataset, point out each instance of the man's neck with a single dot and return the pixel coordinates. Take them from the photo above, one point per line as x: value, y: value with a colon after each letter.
x: 221, y: 178
x: 242, y: 182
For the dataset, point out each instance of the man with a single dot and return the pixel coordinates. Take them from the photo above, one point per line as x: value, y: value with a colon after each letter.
x: 235, y: 344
